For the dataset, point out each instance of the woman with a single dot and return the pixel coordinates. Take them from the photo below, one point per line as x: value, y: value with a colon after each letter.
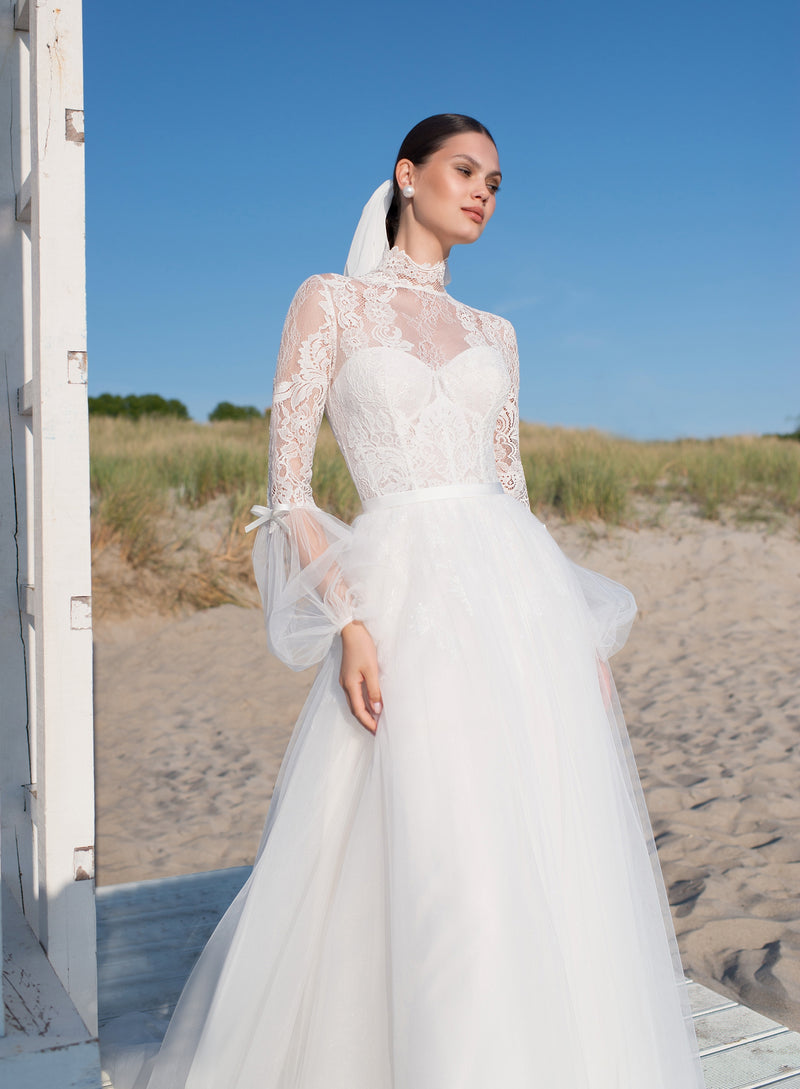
x: 457, y: 886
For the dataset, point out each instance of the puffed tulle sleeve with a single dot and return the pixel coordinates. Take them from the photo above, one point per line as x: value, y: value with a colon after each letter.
x: 298, y: 546
x: 611, y: 607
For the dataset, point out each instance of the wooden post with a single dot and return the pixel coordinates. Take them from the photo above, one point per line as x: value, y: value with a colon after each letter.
x: 46, y: 766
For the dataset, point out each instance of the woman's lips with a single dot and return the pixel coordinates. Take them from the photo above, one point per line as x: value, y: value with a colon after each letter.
x: 474, y: 213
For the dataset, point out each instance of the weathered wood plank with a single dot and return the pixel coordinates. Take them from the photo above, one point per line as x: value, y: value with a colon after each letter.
x: 732, y: 1026
x: 150, y: 934
x: 754, y: 1064
x: 46, y: 1045
x: 71, y: 1067
x: 703, y: 1000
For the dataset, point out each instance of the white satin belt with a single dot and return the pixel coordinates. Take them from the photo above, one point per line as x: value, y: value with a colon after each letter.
x: 419, y: 495
x: 271, y: 516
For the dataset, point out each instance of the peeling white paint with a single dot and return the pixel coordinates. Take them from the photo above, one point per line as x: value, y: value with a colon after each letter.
x: 76, y: 368
x: 80, y: 613
x: 74, y: 129
x: 83, y: 863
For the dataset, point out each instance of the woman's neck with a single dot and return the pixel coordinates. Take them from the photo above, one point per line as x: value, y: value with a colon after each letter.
x: 420, y: 245
x: 399, y: 269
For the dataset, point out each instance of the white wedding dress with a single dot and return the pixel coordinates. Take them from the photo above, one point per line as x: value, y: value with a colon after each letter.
x: 470, y: 899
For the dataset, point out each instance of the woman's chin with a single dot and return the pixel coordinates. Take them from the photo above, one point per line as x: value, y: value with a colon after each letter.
x: 467, y: 234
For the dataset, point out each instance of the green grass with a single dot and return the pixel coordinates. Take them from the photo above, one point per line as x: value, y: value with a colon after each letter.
x: 588, y: 474
x: 148, y: 476
x: 198, y: 462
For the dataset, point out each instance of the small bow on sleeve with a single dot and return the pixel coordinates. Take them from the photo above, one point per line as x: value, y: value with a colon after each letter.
x: 271, y: 516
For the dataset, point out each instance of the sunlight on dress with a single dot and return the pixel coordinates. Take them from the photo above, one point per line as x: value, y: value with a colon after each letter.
x: 472, y: 897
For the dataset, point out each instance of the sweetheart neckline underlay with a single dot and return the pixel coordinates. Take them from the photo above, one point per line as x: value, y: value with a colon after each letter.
x: 410, y: 355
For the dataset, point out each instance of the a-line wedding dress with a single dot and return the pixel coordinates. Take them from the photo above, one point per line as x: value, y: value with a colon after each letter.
x: 469, y: 899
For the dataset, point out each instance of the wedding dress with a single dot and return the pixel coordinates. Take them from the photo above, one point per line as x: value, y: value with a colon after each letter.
x: 471, y: 898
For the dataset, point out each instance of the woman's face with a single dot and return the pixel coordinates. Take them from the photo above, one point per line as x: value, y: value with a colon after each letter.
x: 455, y: 190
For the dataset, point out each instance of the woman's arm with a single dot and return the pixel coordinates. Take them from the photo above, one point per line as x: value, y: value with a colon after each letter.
x: 298, y: 548
x: 506, y: 432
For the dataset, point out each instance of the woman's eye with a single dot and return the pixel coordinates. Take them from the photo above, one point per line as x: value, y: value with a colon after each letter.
x: 464, y: 170
x: 493, y: 189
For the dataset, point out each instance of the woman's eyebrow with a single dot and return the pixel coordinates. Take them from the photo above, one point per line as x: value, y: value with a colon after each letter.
x: 477, y: 165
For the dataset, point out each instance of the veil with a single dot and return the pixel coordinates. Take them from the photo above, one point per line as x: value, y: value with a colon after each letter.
x: 370, y: 243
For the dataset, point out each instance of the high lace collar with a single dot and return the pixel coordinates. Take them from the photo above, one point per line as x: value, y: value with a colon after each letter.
x: 398, y: 266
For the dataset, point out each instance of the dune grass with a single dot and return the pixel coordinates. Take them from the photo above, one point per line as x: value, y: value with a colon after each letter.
x: 170, y: 498
x: 589, y: 474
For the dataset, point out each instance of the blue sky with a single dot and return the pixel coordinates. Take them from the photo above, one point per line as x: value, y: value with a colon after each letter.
x: 645, y: 243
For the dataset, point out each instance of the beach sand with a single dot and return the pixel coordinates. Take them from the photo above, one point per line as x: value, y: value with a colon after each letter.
x: 193, y: 715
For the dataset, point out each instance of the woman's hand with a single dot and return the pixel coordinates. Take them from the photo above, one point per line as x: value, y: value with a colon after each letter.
x: 359, y: 674
x: 604, y: 676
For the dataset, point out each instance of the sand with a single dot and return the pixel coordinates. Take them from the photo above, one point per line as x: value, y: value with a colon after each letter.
x: 193, y: 715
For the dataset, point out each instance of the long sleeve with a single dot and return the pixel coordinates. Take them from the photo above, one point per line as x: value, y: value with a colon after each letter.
x: 298, y: 546
x: 610, y: 606
x: 506, y: 432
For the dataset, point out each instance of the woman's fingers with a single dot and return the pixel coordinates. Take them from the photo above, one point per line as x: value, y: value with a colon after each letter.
x: 355, y: 690
x: 358, y: 675
x: 605, y: 682
x: 373, y: 689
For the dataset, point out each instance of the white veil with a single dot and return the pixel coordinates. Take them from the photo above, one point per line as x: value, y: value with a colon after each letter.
x: 370, y: 242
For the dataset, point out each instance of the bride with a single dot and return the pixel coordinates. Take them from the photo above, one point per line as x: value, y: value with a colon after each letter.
x: 457, y: 887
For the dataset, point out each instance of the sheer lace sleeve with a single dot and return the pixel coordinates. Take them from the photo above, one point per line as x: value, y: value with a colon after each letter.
x: 506, y: 432
x: 298, y: 546
x: 610, y: 606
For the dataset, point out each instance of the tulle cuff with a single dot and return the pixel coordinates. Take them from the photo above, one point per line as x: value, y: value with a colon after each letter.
x: 612, y: 609
x: 296, y: 563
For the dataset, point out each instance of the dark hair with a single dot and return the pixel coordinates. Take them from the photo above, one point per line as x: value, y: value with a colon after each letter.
x: 424, y: 140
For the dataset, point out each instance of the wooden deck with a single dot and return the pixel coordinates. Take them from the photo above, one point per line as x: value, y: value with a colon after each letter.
x: 46, y: 1044
x: 150, y: 934
x: 742, y: 1049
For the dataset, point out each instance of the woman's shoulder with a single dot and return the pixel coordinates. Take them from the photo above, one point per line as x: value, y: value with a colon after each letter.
x: 319, y: 286
x: 318, y: 282
x: 489, y: 322
x: 316, y: 293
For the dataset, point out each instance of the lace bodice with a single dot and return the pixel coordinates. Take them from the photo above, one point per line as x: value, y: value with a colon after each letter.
x: 420, y: 390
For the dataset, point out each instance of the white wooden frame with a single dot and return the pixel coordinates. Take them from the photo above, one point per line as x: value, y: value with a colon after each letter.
x: 46, y: 744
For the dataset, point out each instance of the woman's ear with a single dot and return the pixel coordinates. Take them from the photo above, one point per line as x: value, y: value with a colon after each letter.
x: 404, y: 173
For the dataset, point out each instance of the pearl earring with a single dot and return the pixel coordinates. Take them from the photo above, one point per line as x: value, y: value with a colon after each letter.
x: 409, y: 191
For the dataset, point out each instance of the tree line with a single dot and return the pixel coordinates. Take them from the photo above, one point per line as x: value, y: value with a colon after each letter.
x: 133, y: 406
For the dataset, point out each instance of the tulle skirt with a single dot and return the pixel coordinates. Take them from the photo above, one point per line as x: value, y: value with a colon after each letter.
x: 471, y: 898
